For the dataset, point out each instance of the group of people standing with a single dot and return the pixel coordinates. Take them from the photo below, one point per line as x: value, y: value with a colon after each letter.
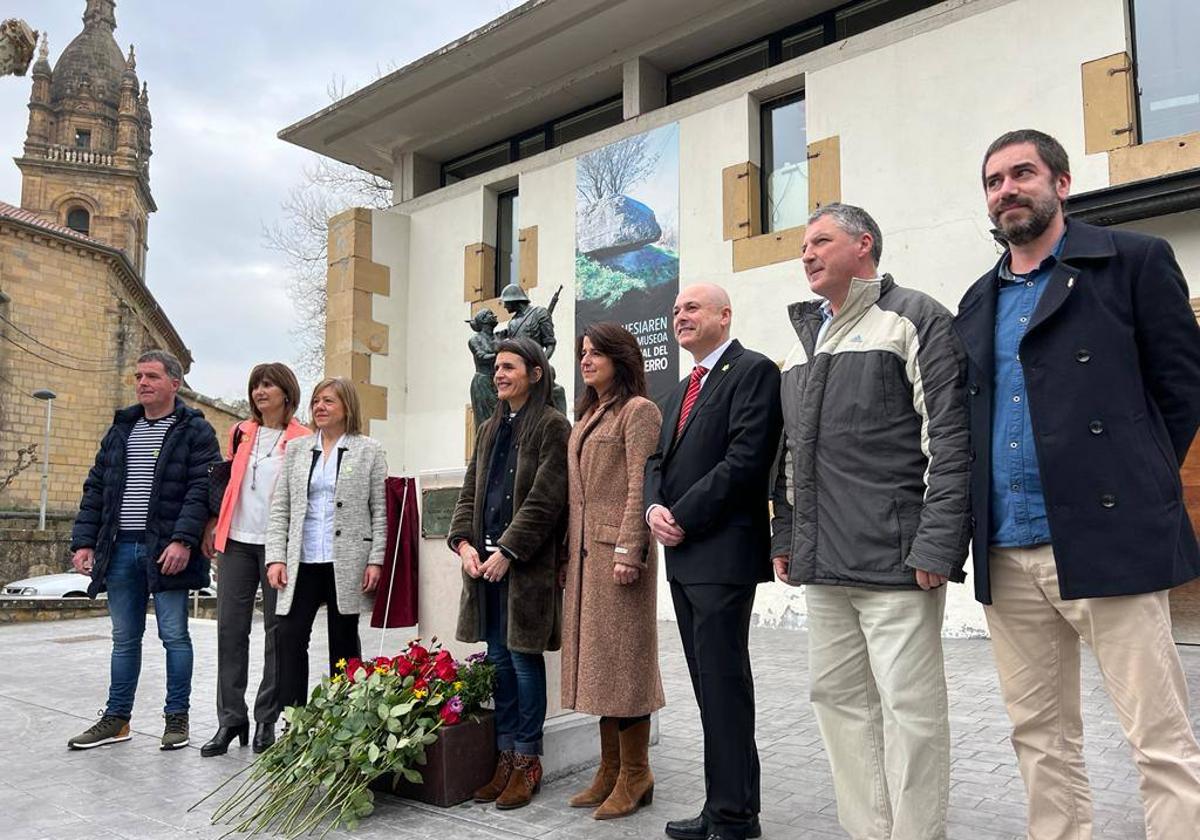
x: 1043, y: 425
x: 303, y: 517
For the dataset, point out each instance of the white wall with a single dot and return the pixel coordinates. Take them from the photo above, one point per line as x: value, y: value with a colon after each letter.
x: 914, y: 103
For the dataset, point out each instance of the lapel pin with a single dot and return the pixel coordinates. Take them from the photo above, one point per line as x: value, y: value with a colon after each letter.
x: 725, y: 367
x: 1070, y: 282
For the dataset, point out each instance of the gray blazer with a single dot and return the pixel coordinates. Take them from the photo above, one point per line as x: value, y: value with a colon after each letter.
x: 359, y: 520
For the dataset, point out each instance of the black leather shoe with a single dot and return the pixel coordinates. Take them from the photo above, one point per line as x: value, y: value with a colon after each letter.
x: 264, y: 736
x: 697, y: 829
x: 219, y: 743
x: 694, y: 829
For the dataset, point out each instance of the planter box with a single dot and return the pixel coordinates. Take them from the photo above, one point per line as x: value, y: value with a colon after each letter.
x: 461, y: 760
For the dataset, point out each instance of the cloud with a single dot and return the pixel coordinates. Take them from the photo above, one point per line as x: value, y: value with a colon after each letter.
x: 224, y: 77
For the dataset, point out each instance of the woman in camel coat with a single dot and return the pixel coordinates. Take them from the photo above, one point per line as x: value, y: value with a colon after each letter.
x: 610, y: 637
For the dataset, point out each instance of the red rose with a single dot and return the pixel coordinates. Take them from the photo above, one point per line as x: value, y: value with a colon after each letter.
x: 403, y: 666
x: 420, y: 685
x: 352, y: 666
x: 418, y: 654
x: 382, y: 662
x: 449, y: 716
x: 446, y: 671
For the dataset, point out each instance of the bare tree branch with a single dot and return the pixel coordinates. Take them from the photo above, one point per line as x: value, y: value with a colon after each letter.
x: 326, y: 188
x: 26, y: 457
x: 613, y: 169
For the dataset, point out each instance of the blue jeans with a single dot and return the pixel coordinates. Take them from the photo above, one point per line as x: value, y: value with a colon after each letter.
x: 520, y: 695
x: 128, y: 595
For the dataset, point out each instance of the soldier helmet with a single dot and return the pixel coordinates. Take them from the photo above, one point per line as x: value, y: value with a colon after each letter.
x: 513, y: 293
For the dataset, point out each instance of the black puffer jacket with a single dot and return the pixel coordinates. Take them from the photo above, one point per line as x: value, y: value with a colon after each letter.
x: 178, y: 500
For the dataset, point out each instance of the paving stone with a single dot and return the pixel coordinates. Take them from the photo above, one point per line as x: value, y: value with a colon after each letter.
x: 135, y: 791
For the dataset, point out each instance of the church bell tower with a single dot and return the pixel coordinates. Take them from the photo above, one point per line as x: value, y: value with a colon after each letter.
x: 86, y: 162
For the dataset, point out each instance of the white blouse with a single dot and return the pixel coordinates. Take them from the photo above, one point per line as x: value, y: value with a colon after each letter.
x: 253, y: 510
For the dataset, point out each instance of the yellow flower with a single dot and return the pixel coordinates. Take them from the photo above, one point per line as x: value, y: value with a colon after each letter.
x: 336, y: 678
x: 458, y: 685
x: 340, y: 664
x: 419, y: 693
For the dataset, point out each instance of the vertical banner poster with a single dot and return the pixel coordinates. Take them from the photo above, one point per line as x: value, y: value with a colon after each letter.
x: 627, y: 246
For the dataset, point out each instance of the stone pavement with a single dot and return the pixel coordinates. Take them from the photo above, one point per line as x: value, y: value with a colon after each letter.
x: 56, y: 675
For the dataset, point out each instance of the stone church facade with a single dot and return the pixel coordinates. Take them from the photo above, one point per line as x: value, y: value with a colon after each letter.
x: 75, y: 308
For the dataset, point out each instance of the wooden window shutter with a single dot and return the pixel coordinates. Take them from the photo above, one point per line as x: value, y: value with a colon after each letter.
x: 528, y: 270
x: 1108, y: 104
x: 741, y: 201
x: 824, y: 172
x: 479, y: 270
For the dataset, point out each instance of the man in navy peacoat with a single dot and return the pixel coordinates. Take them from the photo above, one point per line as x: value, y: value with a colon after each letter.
x: 1084, y: 391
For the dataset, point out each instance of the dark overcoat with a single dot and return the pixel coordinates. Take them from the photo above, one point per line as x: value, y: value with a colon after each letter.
x: 610, y: 630
x: 535, y: 536
x: 1111, y: 360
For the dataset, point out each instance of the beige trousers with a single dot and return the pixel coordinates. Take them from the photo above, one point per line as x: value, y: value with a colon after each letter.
x: 879, y: 693
x: 1035, y: 634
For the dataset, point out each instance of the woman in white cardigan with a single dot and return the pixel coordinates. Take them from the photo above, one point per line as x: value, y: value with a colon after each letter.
x: 325, y: 542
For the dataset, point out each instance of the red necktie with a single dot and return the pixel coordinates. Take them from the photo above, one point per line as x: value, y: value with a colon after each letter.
x: 689, y: 399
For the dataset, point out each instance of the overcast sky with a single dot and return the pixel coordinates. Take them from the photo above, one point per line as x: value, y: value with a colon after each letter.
x: 223, y: 78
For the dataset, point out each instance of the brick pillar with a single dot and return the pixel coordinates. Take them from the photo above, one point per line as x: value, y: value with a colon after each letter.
x: 352, y: 335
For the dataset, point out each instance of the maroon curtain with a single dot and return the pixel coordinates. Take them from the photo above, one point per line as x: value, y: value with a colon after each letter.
x: 398, y: 584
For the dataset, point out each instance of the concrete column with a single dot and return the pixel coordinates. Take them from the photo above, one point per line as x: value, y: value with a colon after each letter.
x: 644, y: 87
x: 415, y: 175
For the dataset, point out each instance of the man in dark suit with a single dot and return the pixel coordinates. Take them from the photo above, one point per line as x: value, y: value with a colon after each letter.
x: 1084, y: 390
x: 706, y: 496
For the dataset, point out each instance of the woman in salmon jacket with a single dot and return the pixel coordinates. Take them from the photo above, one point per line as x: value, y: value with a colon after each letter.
x: 240, y: 537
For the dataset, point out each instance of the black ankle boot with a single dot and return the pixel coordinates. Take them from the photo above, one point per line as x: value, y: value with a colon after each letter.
x: 219, y: 744
x: 264, y: 736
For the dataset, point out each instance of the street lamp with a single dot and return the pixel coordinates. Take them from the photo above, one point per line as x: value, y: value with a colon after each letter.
x: 48, y: 396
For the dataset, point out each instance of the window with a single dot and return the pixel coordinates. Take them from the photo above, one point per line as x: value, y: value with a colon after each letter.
x: 564, y: 129
x: 850, y: 19
x: 784, y: 163
x: 719, y: 71
x: 1168, y: 67
x: 805, y: 41
x: 78, y: 220
x: 475, y: 163
x: 596, y: 118
x: 508, y: 248
x: 860, y: 17
x: 83, y: 138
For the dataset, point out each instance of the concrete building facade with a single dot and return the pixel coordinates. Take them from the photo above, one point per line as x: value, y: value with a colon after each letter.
x: 898, y: 101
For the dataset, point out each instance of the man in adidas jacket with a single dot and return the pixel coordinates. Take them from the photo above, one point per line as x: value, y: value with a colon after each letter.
x: 871, y: 512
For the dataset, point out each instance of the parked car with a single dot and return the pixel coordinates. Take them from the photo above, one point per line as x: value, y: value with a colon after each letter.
x: 65, y: 585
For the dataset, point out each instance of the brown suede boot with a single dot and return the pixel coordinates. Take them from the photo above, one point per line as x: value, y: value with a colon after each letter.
x: 493, y: 789
x: 606, y: 773
x: 635, y: 783
x: 525, y: 781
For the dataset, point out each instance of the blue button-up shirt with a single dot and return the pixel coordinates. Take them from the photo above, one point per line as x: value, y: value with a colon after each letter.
x: 1018, y: 505
x: 317, y: 545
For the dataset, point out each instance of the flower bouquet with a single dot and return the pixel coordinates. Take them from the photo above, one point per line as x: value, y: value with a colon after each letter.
x: 375, y: 717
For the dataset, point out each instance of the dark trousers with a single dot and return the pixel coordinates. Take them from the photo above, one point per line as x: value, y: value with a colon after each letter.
x: 714, y: 625
x: 520, y: 691
x: 242, y: 568
x: 314, y: 587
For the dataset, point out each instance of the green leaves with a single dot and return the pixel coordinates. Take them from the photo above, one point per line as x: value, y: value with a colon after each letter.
x: 353, y: 729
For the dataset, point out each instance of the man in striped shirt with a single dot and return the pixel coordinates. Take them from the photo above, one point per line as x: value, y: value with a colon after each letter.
x: 138, y: 532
